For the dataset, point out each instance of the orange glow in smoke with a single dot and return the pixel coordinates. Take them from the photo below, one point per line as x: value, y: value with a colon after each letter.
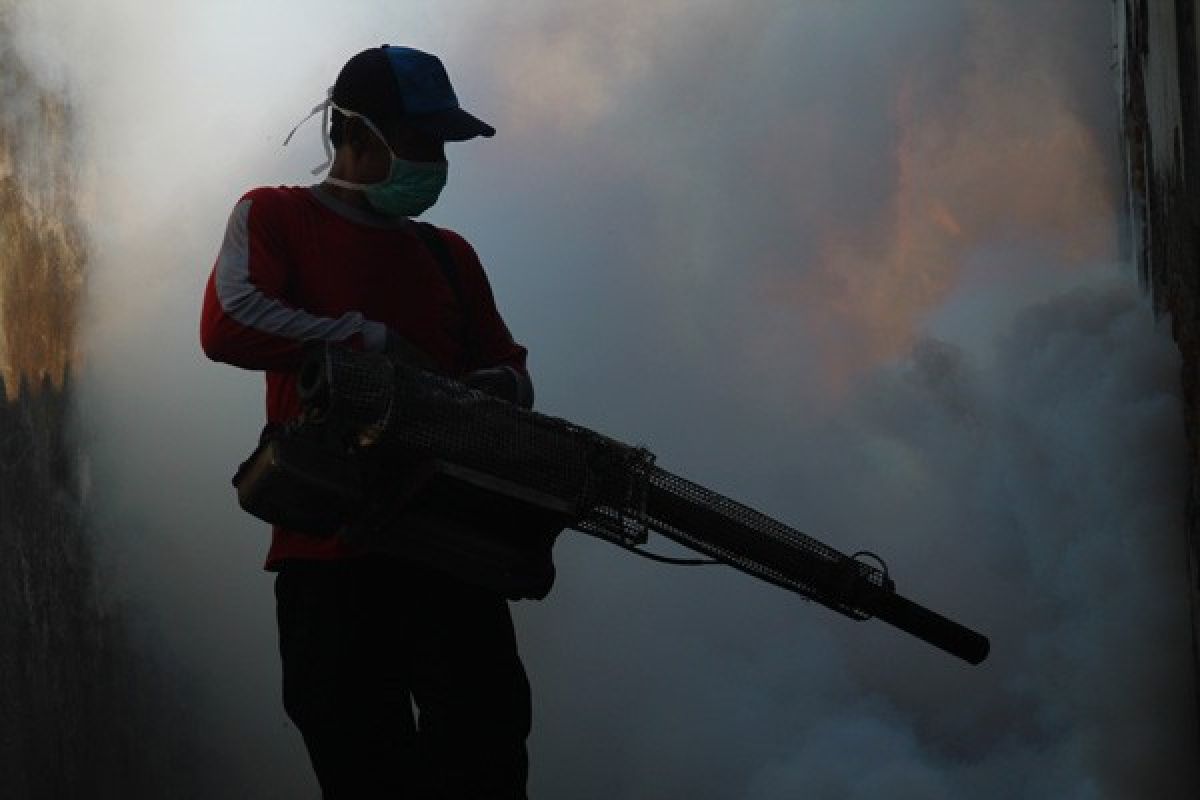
x: 1005, y: 161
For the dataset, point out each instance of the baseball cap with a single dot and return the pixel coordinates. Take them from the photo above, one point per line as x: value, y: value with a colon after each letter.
x: 389, y: 83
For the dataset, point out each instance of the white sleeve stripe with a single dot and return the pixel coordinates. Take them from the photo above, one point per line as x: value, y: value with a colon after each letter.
x: 245, y: 302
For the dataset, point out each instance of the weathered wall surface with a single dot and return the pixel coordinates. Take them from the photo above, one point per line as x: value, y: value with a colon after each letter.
x: 42, y: 260
x: 82, y: 711
x: 1159, y: 83
x: 67, y: 723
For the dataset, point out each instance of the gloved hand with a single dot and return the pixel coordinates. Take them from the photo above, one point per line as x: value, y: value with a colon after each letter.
x: 503, y: 382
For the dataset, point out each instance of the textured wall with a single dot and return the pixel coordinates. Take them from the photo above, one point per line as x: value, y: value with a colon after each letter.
x: 1160, y: 93
x: 81, y: 713
x: 41, y: 247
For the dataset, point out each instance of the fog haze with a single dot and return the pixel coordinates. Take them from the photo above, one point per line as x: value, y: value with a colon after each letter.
x: 853, y: 264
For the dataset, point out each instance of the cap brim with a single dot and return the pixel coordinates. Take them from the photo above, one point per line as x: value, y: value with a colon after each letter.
x: 452, y: 125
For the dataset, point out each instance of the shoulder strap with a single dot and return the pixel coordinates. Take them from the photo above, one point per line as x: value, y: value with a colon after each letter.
x: 441, y: 253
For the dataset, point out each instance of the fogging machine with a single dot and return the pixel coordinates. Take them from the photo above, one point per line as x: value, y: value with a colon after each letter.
x: 402, y: 460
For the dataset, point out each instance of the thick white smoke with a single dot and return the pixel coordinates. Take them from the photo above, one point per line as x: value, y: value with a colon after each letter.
x: 849, y: 263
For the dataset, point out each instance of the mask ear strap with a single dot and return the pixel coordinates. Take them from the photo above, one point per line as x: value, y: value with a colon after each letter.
x: 321, y: 108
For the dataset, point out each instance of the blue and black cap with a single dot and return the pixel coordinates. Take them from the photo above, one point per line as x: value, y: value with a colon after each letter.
x: 389, y: 84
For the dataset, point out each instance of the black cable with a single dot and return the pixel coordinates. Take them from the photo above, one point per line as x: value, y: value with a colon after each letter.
x: 637, y: 551
x: 679, y: 562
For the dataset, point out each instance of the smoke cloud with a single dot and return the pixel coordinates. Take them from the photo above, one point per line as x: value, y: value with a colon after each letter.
x: 853, y: 264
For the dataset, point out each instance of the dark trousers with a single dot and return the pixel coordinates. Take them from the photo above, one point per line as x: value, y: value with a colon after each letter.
x: 362, y: 641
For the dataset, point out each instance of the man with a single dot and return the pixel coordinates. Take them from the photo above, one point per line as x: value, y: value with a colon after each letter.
x: 362, y: 636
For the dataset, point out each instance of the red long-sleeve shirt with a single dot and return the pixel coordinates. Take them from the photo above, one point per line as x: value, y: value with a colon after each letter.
x: 297, y: 264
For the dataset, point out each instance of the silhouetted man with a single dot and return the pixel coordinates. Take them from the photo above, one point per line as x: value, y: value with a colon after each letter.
x: 362, y: 636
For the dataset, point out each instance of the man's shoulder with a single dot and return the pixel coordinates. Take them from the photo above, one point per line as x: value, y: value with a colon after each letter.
x: 459, y: 246
x: 273, y: 208
x: 277, y: 197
